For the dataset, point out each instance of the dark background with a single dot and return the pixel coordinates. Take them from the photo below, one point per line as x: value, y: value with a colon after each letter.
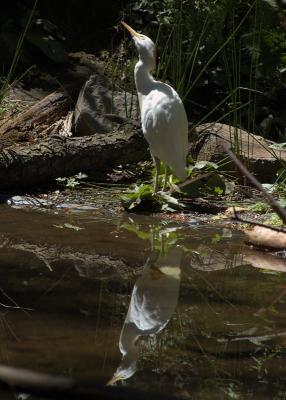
x: 86, y: 25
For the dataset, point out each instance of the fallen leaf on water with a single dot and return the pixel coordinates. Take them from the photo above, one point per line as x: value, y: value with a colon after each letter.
x: 69, y: 226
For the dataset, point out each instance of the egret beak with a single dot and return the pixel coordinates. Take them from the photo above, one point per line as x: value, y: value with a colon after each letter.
x: 114, y: 379
x: 131, y: 30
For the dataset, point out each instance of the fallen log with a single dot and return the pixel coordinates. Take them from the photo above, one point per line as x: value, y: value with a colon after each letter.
x: 35, y: 119
x: 25, y: 167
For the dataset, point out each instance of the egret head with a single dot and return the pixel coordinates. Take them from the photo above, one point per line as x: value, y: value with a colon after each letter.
x: 145, y: 47
x: 126, y: 369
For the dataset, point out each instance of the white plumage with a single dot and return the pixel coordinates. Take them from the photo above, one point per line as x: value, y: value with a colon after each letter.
x: 153, y: 301
x: 163, y: 117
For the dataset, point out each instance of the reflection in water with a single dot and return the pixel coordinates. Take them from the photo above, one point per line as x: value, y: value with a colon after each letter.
x: 227, y: 342
x: 153, y: 302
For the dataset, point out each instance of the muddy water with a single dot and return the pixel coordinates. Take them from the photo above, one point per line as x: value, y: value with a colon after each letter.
x: 156, y: 305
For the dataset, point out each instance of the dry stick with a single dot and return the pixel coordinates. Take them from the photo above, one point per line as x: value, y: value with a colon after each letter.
x: 237, y: 218
x: 63, y: 388
x: 244, y: 171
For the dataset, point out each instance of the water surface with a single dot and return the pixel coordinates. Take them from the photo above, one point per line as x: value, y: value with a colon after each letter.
x: 183, y: 309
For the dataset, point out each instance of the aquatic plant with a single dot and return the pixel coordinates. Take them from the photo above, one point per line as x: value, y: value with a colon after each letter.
x: 204, y: 178
x: 71, y: 182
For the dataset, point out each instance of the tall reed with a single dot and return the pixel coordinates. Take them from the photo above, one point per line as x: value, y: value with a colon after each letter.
x: 9, y: 79
x: 194, y: 45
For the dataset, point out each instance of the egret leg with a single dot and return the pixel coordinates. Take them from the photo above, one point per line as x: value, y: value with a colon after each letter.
x: 165, y: 178
x: 157, y: 166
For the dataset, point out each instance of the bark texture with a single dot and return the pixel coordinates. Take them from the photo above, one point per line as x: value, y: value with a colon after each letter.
x: 43, y: 114
x: 256, y: 153
x: 28, y: 166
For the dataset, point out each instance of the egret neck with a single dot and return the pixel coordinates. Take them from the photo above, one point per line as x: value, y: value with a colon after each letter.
x: 143, y: 79
x: 130, y: 352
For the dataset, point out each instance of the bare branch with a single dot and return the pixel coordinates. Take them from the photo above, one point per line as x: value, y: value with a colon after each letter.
x: 237, y: 218
x: 244, y: 171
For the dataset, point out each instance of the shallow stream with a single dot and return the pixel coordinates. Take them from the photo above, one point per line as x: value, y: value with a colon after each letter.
x: 192, y: 310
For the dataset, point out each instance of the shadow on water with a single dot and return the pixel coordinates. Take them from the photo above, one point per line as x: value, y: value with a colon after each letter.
x: 141, y: 302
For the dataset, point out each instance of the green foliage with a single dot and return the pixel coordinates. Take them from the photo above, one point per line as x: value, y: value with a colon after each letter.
x: 227, y: 59
x: 161, y: 237
x: 273, y: 219
x: 260, y: 208
x: 203, y: 166
x: 281, y: 176
x: 279, y: 187
x: 72, y: 181
x: 5, y: 105
x: 203, y: 179
x: 142, y: 196
x: 136, y: 195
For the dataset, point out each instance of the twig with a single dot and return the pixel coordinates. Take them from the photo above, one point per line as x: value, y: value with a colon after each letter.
x: 15, y: 306
x: 237, y: 218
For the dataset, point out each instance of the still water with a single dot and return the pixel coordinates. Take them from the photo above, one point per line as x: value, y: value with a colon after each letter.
x: 182, y: 309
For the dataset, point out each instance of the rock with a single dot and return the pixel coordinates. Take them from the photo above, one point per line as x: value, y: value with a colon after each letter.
x: 46, y: 37
x: 255, y: 151
x: 265, y: 238
x: 98, y: 108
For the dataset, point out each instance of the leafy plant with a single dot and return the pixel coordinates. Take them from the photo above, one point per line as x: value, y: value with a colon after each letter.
x: 160, y: 236
x: 72, y: 181
x: 142, y: 196
x: 203, y: 179
x: 273, y: 219
x: 260, y: 208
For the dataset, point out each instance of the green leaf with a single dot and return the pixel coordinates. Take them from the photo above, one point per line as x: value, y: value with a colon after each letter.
x: 134, y: 197
x: 206, y: 165
x: 213, y: 184
x: 133, y: 228
x: 260, y: 208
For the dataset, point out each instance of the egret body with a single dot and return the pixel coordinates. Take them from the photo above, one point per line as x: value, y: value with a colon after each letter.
x: 163, y: 117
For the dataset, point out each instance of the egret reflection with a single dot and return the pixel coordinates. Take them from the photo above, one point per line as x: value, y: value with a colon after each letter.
x: 153, y: 301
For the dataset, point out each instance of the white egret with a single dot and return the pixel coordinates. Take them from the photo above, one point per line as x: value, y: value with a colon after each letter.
x: 163, y: 117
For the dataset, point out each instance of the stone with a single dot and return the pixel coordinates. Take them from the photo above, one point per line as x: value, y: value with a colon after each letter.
x: 100, y: 109
x: 258, y: 154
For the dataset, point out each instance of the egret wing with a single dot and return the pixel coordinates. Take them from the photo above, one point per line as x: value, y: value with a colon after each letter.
x: 165, y: 127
